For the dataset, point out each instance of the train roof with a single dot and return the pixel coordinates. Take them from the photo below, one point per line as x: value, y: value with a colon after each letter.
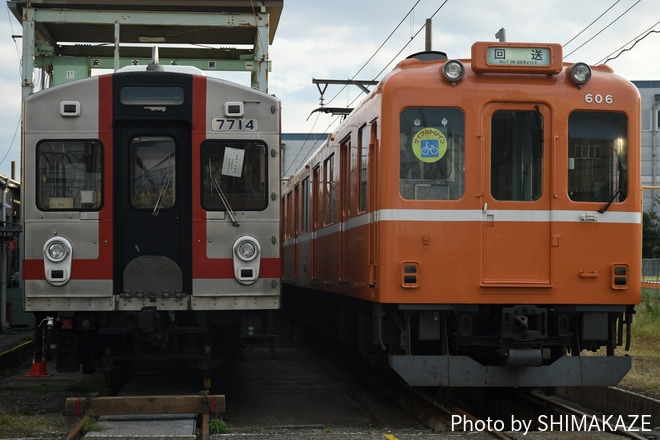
x: 135, y: 34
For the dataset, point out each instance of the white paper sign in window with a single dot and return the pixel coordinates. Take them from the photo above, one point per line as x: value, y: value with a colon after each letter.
x: 232, y: 165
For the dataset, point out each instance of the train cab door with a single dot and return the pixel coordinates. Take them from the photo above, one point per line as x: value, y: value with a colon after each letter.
x: 153, y: 209
x: 516, y: 204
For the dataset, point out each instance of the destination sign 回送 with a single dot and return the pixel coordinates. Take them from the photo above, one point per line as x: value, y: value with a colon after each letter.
x: 519, y: 56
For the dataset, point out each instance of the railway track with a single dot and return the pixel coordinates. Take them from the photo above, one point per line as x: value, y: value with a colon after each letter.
x: 570, y: 417
x: 299, y: 394
x: 509, y: 412
x: 160, y: 405
x: 520, y: 413
x: 186, y: 408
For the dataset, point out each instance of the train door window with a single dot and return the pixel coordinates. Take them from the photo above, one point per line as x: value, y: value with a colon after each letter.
x: 305, y: 196
x: 69, y: 175
x: 286, y: 212
x: 234, y: 175
x: 316, y: 192
x: 516, y: 168
x: 329, y: 189
x: 345, y: 178
x: 296, y: 210
x: 364, y: 139
x: 153, y: 166
x: 431, y: 153
x: 317, y: 210
x: 597, y: 156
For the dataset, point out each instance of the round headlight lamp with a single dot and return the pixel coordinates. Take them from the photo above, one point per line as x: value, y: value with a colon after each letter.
x: 246, y: 250
x: 580, y: 73
x: 56, y: 251
x: 453, y: 70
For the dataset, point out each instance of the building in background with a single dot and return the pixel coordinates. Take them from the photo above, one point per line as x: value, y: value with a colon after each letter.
x: 650, y: 93
x: 11, y: 296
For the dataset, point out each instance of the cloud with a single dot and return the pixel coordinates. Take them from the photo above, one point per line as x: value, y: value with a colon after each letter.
x: 334, y: 40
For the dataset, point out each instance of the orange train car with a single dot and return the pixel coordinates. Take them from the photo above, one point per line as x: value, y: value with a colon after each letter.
x: 478, y: 221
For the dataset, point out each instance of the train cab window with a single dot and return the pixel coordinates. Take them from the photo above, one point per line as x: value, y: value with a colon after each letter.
x: 234, y: 175
x: 516, y: 165
x: 69, y: 175
x: 431, y: 153
x: 597, y: 156
x: 153, y: 171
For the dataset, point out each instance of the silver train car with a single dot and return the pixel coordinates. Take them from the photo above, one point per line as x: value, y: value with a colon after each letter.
x: 151, y: 217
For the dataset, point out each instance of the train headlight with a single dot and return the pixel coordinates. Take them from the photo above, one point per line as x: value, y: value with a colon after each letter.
x: 57, y: 260
x: 579, y: 73
x: 56, y: 250
x: 247, y: 259
x: 246, y: 250
x: 453, y: 71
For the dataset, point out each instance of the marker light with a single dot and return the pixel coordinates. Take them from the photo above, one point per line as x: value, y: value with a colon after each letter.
x: 453, y: 71
x: 580, y: 73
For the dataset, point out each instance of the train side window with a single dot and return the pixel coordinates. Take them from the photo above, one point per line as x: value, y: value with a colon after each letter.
x: 597, y: 156
x: 236, y: 172
x: 69, y: 175
x: 431, y: 153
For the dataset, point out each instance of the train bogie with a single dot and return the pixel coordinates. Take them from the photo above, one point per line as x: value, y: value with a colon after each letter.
x: 485, y: 225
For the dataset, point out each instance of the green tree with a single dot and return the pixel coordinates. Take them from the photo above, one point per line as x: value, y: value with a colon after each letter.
x: 650, y: 235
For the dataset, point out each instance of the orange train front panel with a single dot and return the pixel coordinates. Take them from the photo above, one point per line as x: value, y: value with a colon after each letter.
x: 491, y: 220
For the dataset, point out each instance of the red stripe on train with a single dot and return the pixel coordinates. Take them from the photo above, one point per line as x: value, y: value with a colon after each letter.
x: 93, y: 270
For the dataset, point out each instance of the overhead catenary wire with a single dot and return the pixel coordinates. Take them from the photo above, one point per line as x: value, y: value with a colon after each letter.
x: 396, y: 56
x: 634, y: 41
x: 366, y: 63
x: 18, y: 55
x: 602, y: 30
x: 379, y: 48
x: 591, y: 24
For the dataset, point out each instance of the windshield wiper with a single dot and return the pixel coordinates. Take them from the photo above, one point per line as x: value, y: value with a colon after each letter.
x: 223, y: 198
x: 607, y: 205
x: 166, y: 185
x: 539, y: 122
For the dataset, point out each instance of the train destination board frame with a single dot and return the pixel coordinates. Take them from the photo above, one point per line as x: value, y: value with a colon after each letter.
x: 521, y: 57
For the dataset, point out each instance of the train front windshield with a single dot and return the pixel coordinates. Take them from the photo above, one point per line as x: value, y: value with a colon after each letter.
x: 597, y: 156
x: 237, y: 172
x: 431, y: 153
x: 69, y: 175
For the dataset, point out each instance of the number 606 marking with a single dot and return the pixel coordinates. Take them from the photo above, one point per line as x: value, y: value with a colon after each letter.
x: 590, y: 98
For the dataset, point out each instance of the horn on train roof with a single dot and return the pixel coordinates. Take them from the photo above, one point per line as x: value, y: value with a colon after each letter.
x: 155, y: 64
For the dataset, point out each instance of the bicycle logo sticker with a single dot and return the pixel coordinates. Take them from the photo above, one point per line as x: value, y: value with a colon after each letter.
x: 429, y: 145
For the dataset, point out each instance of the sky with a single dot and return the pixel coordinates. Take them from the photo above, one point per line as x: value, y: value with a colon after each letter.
x: 364, y: 39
